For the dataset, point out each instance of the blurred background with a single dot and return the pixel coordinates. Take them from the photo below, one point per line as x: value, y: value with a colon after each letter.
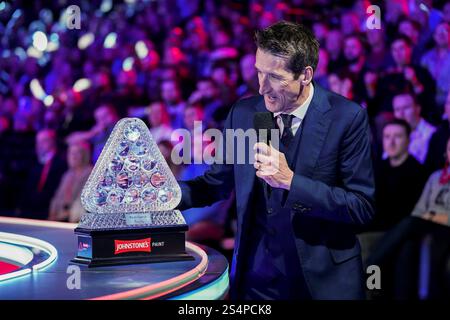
x: 173, y: 62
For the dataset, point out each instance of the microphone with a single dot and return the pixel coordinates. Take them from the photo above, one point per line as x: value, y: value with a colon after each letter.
x: 264, y: 120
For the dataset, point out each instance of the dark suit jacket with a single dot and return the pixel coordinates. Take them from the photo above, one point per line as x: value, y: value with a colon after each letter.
x: 437, y: 147
x: 331, y: 195
x: 35, y: 204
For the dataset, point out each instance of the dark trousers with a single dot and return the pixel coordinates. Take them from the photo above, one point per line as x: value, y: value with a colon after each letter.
x: 398, y: 255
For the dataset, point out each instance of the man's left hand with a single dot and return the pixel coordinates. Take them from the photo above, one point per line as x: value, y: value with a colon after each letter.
x: 272, y: 167
x: 441, y: 218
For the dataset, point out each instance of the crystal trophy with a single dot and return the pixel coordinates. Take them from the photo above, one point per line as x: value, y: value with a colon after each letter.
x: 129, y: 199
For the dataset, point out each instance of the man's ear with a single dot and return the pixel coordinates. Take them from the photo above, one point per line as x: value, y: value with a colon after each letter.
x: 308, y: 75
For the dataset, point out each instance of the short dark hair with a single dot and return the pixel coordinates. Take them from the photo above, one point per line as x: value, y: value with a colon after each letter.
x: 401, y: 37
x: 358, y: 37
x: 291, y: 40
x: 406, y: 91
x: 207, y: 79
x: 175, y: 81
x: 399, y: 122
x: 415, y: 24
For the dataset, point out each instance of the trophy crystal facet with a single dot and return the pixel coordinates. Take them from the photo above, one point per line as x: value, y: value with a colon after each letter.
x: 130, y: 198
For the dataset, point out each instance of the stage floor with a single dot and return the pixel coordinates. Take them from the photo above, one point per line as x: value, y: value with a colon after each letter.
x: 44, y: 275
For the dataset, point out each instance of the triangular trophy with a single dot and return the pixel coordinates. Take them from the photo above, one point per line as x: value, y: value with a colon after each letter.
x: 130, y: 198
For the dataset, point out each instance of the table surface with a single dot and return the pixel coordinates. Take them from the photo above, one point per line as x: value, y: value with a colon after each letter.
x: 52, y: 281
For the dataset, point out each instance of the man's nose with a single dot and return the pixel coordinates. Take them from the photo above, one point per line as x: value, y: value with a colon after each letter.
x: 264, y: 86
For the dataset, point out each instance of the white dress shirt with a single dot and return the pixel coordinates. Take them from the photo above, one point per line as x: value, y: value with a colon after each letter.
x: 299, y: 113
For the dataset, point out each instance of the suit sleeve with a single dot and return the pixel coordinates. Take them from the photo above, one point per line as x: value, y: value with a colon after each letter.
x: 215, y: 184
x: 352, y: 201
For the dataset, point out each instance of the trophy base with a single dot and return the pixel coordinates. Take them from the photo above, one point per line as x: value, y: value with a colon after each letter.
x: 102, y: 262
x: 117, y: 247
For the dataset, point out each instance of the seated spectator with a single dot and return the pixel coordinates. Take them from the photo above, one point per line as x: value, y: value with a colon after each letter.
x: 66, y: 203
x: 4, y: 160
x: 340, y: 84
x: 208, y: 95
x: 127, y: 92
x: 354, y: 55
x: 250, y: 86
x: 43, y: 178
x: 17, y: 156
x: 333, y: 46
x: 105, y: 119
x: 398, y: 253
x: 411, y: 29
x: 320, y: 30
x: 166, y: 147
x: 350, y: 23
x: 193, y: 115
x: 320, y: 74
x: 399, y: 178
x: 159, y: 121
x: 408, y: 109
x: 75, y: 116
x: 446, y: 12
x: 379, y: 56
x: 225, y: 76
x: 438, y: 142
x: 171, y: 96
x: 196, y: 45
x: 5, y: 124
x: 437, y: 61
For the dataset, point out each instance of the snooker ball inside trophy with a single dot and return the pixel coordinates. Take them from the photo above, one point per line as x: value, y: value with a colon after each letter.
x: 130, y: 198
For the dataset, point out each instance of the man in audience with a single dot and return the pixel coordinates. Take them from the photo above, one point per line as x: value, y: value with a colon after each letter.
x: 333, y: 46
x: 436, y: 148
x: 207, y: 94
x: 159, y: 120
x: 106, y: 118
x: 407, y: 108
x: 437, y: 61
x: 355, y: 69
x: 249, y: 76
x: 43, y: 178
x: 399, y: 178
x: 171, y: 96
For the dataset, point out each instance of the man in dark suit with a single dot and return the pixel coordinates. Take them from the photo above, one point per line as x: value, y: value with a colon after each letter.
x: 43, y: 178
x: 298, y: 207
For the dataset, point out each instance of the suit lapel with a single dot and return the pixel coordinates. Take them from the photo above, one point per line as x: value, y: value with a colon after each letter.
x: 313, y: 131
x: 247, y: 172
x: 261, y: 107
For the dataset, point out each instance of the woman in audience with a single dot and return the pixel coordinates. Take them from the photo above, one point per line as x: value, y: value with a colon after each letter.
x: 66, y: 203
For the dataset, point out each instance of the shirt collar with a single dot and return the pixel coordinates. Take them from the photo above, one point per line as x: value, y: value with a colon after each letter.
x: 300, y: 112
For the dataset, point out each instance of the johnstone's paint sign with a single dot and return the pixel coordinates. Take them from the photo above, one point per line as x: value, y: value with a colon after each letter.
x: 142, y: 245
